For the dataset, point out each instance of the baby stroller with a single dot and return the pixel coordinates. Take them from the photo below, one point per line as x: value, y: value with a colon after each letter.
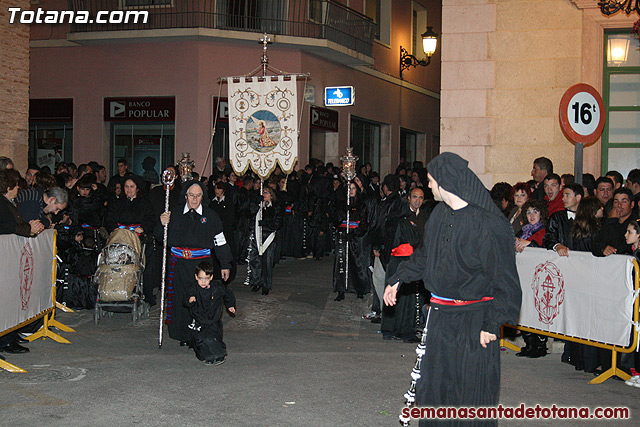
x: 119, y: 277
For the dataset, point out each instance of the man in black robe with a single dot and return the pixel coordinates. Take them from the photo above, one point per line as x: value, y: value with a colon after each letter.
x: 389, y: 211
x: 400, y: 321
x: 467, y: 262
x: 193, y: 231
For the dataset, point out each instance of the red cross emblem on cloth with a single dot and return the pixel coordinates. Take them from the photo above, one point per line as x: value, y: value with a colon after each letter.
x: 548, y: 291
x: 26, y: 274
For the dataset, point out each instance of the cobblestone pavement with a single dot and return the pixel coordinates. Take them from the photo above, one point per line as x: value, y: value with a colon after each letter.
x: 296, y: 358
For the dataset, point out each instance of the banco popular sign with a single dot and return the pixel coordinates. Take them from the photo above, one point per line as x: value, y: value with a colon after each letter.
x: 149, y: 109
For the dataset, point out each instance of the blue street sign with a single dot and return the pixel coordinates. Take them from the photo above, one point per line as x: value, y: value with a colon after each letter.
x: 339, y: 96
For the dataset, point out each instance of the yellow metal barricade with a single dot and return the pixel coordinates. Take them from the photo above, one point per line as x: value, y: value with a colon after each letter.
x: 49, y: 319
x: 614, y: 370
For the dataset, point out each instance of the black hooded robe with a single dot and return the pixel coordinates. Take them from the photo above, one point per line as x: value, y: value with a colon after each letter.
x: 359, y: 252
x: 260, y: 269
x: 467, y: 255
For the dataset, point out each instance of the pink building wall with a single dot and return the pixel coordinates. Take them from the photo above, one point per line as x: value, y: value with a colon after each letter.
x: 188, y: 70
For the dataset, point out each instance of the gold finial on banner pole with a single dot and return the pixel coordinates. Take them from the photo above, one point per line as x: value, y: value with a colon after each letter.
x: 265, y: 40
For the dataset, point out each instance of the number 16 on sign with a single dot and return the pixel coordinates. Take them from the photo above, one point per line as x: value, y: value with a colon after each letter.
x: 581, y: 119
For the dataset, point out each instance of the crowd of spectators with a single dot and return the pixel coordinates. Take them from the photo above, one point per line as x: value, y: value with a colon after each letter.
x: 554, y: 212
x: 309, y: 214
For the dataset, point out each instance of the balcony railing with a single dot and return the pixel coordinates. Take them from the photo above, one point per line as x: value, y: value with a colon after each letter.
x: 319, y: 19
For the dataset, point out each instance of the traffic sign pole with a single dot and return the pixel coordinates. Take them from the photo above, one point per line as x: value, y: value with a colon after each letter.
x: 577, y: 169
x: 582, y: 118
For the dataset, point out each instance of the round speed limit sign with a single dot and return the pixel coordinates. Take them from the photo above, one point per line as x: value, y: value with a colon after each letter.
x: 582, y: 114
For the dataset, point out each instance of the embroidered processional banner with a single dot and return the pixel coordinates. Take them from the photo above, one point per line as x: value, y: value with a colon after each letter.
x: 263, y: 124
x: 580, y: 295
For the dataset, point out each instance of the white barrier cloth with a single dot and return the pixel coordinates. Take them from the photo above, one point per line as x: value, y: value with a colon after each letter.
x: 581, y: 295
x: 263, y: 124
x: 25, y: 282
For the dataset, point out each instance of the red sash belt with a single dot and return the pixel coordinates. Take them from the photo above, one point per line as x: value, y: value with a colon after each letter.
x: 352, y: 224
x: 404, y: 249
x: 190, y: 253
x: 449, y: 301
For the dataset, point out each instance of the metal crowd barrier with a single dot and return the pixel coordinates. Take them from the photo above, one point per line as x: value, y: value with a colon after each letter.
x: 48, y: 315
x: 615, y: 349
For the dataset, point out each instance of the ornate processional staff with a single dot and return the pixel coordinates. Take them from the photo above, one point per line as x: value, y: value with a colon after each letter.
x: 185, y: 167
x: 349, y: 172
x: 168, y: 178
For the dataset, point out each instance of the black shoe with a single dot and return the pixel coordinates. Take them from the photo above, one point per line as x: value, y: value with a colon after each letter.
x: 377, y: 319
x: 184, y: 343
x: 396, y: 337
x: 255, y: 288
x: 21, y: 341
x: 524, y: 352
x: 14, y: 348
x: 412, y: 340
x: 265, y: 291
x: 537, y: 352
x: 340, y: 296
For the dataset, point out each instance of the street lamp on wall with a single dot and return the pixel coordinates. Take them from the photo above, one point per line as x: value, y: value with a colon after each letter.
x: 429, y: 44
x: 618, y: 50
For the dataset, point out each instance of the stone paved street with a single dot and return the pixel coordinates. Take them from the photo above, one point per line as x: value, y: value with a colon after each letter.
x: 296, y: 358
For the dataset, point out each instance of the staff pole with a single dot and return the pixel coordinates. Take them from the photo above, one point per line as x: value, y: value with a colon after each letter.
x: 168, y: 178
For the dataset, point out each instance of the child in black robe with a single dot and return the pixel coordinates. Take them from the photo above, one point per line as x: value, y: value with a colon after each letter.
x: 204, y: 301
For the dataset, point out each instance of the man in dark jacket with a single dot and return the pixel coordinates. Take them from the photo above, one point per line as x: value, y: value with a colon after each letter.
x: 541, y: 168
x: 633, y: 184
x: 390, y: 210
x: 610, y: 239
x: 558, y: 236
x: 123, y: 172
x: 36, y: 204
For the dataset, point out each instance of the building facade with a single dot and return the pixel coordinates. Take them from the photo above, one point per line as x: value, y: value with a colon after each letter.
x: 132, y: 90
x: 14, y: 85
x: 506, y: 65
